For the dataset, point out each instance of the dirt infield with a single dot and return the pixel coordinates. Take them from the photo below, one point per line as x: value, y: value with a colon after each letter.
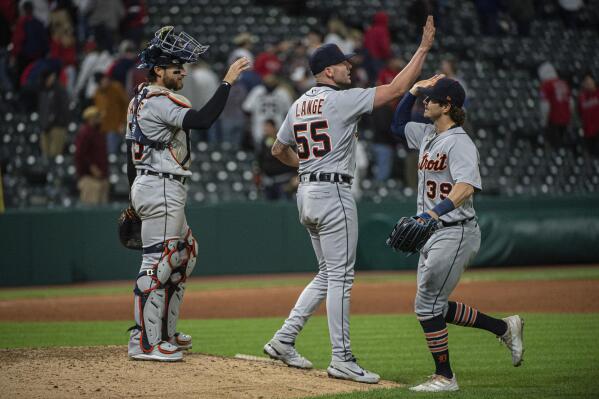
x: 367, y: 298
x: 105, y: 372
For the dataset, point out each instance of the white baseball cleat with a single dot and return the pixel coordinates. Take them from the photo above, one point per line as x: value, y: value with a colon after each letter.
x: 513, y: 338
x: 163, y: 352
x: 437, y: 383
x: 181, y: 341
x: 287, y: 354
x: 350, y: 370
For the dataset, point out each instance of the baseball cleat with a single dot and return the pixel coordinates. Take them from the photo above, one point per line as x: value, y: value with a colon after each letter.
x: 181, y: 341
x: 513, y: 338
x: 287, y: 354
x: 437, y: 383
x: 163, y: 352
x: 350, y: 370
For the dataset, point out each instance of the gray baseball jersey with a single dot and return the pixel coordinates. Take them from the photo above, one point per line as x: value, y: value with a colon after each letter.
x: 323, y: 124
x: 169, y: 246
x: 444, y: 160
x: 160, y: 116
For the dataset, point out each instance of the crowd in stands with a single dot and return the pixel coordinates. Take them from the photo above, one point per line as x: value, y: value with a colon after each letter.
x: 75, y: 61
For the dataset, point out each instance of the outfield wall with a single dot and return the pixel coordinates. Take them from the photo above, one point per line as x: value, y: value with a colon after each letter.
x: 71, y: 245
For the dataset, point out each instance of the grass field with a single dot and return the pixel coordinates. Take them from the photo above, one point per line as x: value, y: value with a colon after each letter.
x: 560, y: 359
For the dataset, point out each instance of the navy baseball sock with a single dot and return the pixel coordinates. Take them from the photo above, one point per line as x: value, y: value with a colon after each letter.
x: 435, y: 331
x: 463, y: 315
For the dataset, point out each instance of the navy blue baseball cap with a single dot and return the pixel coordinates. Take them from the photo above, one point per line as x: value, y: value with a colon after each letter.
x: 446, y: 90
x: 327, y: 55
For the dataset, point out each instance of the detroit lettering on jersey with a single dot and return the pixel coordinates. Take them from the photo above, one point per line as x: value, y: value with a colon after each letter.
x: 440, y: 163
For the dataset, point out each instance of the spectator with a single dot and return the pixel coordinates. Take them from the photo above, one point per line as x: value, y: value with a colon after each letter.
x: 119, y: 70
x: 555, y: 105
x: 111, y: 100
x: 62, y: 47
x: 200, y: 84
x: 53, y: 115
x: 245, y: 43
x: 383, y: 144
x: 339, y: 35
x: 104, y: 20
x: 268, y: 62
x: 312, y: 41
x: 41, y: 9
x: 91, y: 159
x: 392, y: 68
x: 30, y: 39
x: 94, y: 61
x: 377, y: 42
x: 588, y: 107
x: 275, y: 178
x: 266, y: 101
x: 298, y: 69
x: 232, y: 120
x: 136, y: 17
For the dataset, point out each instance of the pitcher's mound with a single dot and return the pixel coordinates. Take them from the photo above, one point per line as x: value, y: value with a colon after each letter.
x: 106, y: 372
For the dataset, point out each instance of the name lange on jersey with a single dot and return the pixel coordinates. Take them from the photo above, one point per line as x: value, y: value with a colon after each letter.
x: 440, y: 163
x: 309, y: 107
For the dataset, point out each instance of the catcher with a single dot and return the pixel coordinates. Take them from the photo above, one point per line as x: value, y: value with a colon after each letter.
x: 159, y: 156
x: 445, y: 231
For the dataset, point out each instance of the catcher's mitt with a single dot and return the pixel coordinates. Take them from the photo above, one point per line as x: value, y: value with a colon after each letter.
x: 409, y: 235
x: 130, y: 229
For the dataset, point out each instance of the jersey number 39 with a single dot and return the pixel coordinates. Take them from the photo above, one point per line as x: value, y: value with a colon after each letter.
x: 312, y: 139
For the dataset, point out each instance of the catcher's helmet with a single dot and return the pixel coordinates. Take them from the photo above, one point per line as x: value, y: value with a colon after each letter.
x: 168, y: 47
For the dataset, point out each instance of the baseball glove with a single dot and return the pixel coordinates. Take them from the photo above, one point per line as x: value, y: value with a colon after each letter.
x: 130, y: 229
x: 409, y: 235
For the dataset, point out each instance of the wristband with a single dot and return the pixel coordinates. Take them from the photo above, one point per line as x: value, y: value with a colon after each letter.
x: 424, y: 216
x: 226, y: 83
x: 444, y: 207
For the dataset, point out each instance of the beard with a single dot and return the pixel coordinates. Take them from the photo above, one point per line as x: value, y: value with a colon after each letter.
x: 173, y: 84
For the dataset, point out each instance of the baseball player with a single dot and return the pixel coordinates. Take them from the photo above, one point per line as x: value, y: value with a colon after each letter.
x: 322, y: 124
x: 448, y: 175
x: 159, y: 154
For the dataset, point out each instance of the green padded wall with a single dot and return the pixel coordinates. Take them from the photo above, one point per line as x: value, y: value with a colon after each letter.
x: 64, y: 246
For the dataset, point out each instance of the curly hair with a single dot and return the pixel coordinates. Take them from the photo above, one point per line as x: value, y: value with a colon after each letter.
x: 458, y: 115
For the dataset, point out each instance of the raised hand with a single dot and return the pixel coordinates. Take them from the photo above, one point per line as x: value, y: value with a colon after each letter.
x: 428, y: 34
x: 425, y: 83
x: 242, y: 64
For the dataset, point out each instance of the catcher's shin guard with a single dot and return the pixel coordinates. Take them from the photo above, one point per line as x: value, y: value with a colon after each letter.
x: 176, y: 287
x: 151, y: 296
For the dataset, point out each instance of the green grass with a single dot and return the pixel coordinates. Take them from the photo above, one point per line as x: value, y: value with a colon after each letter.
x: 561, y: 355
x: 197, y: 284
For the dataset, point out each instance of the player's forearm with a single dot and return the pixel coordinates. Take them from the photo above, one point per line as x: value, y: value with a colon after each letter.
x: 288, y: 157
x: 131, y: 171
x: 205, y: 117
x: 402, y: 81
x: 285, y: 154
x: 460, y: 193
x: 456, y: 198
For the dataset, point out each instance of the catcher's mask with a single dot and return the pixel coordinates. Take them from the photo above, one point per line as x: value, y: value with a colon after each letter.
x: 169, y: 47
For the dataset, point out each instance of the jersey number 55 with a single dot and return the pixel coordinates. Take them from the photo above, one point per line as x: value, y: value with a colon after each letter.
x: 312, y: 139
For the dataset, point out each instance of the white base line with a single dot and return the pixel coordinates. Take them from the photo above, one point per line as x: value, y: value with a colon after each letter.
x: 255, y: 358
